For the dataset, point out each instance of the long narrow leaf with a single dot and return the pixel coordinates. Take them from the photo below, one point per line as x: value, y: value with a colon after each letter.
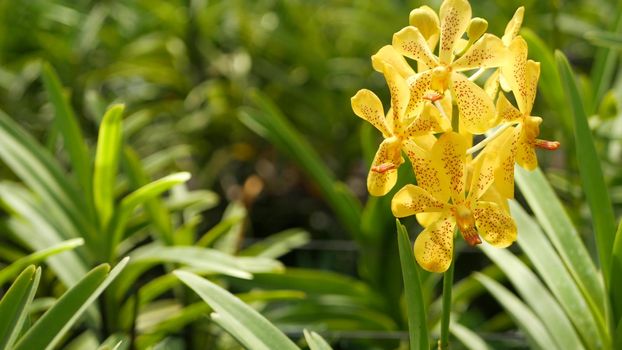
x: 467, y: 337
x: 14, y: 305
x: 239, y: 319
x: 315, y: 341
x: 591, y: 173
x: 52, y: 326
x: 106, y: 163
x: 417, y: 326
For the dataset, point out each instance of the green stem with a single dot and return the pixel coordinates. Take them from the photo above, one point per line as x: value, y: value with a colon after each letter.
x: 448, y: 283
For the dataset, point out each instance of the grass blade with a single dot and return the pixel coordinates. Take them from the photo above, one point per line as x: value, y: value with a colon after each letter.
x: 52, y: 326
x: 417, y: 324
x: 605, y: 39
x: 467, y: 337
x: 106, y: 163
x: 14, y: 305
x: 239, y: 319
x: 591, y: 173
x: 315, y: 341
x: 524, y: 318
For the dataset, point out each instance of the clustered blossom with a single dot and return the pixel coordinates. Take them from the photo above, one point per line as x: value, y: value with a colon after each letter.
x: 458, y: 184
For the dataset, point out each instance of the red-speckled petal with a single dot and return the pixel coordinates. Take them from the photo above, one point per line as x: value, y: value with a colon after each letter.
x: 400, y: 96
x: 483, y: 173
x: 367, y: 105
x: 383, y: 173
x: 506, y: 145
x: 388, y: 55
x: 411, y: 200
x: 487, y: 52
x: 494, y: 224
x: 429, y: 177
x: 475, y: 107
x: 449, y: 154
x: 434, y: 246
x: 411, y: 43
x: 513, y: 27
x: 455, y: 16
x: 506, y: 112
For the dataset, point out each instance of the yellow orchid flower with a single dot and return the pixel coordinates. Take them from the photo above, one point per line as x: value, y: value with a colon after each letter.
x: 477, y: 111
x: 517, y: 143
x: 470, y: 211
x: 404, y: 122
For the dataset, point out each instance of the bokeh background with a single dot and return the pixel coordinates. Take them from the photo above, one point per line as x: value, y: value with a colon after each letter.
x: 253, y: 99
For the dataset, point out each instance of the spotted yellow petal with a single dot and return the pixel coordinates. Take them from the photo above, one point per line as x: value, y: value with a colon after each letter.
x: 367, y: 106
x: 449, y: 154
x: 531, y: 86
x: 411, y: 200
x: 475, y: 107
x: 427, y: 219
x: 506, y: 112
x: 434, y: 246
x: 525, y: 152
x: 388, y: 54
x: 455, y: 16
x: 495, y: 225
x: 429, y: 177
x: 513, y: 27
x: 383, y: 172
x: 516, y: 74
x: 506, y: 146
x: 491, y: 86
x: 419, y: 85
x: 483, y: 173
x: 400, y: 95
x: 493, y: 195
x: 426, y: 20
x: 411, y: 43
x: 430, y: 120
x: 487, y: 52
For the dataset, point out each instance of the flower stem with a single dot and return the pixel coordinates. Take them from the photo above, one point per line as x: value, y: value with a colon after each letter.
x: 477, y: 74
x: 491, y: 137
x: 448, y: 282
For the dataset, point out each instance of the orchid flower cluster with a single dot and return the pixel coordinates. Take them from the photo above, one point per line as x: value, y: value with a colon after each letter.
x: 435, y: 114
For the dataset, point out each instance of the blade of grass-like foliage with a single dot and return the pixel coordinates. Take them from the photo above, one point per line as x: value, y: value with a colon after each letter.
x: 563, y: 235
x: 604, y: 66
x: 14, y: 305
x: 588, y: 321
x: 536, y: 296
x: 417, y: 320
x: 550, y: 81
x: 136, y: 198
x: 269, y: 122
x: 524, y: 317
x: 315, y: 341
x: 616, y: 271
x: 218, y: 230
x: 591, y: 173
x: 239, y: 319
x: 278, y: 244
x: 52, y: 326
x: 18, y: 265
x: 34, y: 165
x: 69, y: 127
x: 106, y: 163
x: 467, y: 337
x: 605, y: 39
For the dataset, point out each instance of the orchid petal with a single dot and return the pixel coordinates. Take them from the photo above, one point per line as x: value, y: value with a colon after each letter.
x: 434, y: 246
x: 477, y: 111
x: 411, y: 43
x: 455, y: 16
x: 449, y: 154
x: 367, y: 106
x: 411, y: 200
x: 487, y: 52
x: 495, y: 225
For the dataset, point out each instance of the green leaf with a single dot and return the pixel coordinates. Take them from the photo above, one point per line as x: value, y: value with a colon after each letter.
x: 69, y: 127
x: 467, y: 337
x: 605, y: 39
x: 524, y: 318
x: 14, y: 305
x: 106, y: 162
x: 415, y: 308
x: 591, y: 173
x: 535, y: 295
x: 315, y: 341
x: 9, y: 271
x: 563, y: 235
x: 270, y: 123
x: 52, y: 326
x: 278, y: 244
x: 616, y: 271
x: 237, y: 318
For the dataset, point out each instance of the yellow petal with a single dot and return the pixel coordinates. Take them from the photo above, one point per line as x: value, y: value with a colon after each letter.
x: 506, y: 145
x: 477, y: 112
x: 430, y: 120
x: 491, y: 86
x: 486, y: 52
x: 525, y: 153
x: 411, y: 43
x: 419, y: 86
x: 483, y: 173
x: 521, y: 75
x: 383, y: 173
x: 493, y: 195
x: 367, y: 106
x: 426, y: 20
x: 427, y: 219
x: 455, y: 17
x: 449, y: 154
x: 506, y: 112
x: 411, y: 200
x: 400, y: 95
x: 513, y: 27
x: 387, y: 54
x: 494, y: 224
x: 434, y: 246
x: 429, y: 177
